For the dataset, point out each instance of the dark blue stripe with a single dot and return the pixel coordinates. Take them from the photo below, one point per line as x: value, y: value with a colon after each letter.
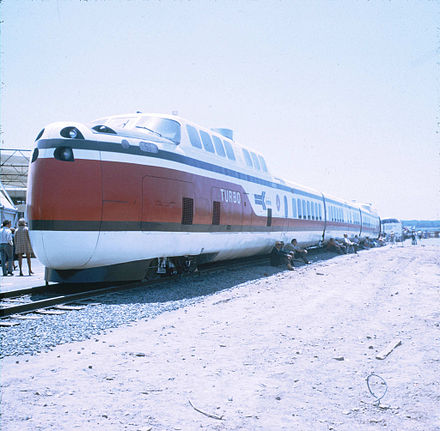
x: 166, y: 155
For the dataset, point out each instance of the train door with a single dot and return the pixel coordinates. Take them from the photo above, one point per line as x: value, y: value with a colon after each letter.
x: 229, y: 204
x: 167, y: 204
x: 120, y: 198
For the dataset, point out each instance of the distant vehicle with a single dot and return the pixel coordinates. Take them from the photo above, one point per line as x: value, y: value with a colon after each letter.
x: 392, y: 226
x: 7, y: 208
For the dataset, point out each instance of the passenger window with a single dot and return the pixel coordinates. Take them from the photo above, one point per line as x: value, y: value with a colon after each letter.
x: 294, y: 213
x: 247, y: 157
x: 219, y: 146
x: 194, y: 136
x: 229, y: 150
x: 255, y: 161
x: 207, y: 143
x: 262, y: 163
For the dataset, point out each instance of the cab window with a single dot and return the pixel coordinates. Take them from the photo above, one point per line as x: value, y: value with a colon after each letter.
x: 194, y: 136
x: 247, y: 157
x: 255, y: 161
x: 229, y: 150
x: 207, y: 143
x: 262, y: 163
x: 219, y: 146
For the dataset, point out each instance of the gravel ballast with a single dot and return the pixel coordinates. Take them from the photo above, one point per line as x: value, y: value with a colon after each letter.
x: 289, y: 351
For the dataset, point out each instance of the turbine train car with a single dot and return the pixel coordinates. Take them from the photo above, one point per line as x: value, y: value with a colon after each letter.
x: 392, y: 227
x: 108, y: 199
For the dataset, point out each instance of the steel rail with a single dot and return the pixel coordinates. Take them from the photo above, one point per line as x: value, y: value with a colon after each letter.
x: 26, y: 291
x: 73, y: 297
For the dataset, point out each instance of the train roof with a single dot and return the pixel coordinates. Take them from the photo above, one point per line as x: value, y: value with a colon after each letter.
x: 366, y: 207
x: 220, y: 132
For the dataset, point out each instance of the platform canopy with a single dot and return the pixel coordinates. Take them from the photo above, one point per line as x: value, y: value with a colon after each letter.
x: 14, y: 165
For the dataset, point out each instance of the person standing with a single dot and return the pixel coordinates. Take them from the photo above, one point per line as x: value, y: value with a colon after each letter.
x: 6, y: 248
x: 23, y: 245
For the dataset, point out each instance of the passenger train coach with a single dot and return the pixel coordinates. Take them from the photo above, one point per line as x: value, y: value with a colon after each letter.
x: 106, y: 200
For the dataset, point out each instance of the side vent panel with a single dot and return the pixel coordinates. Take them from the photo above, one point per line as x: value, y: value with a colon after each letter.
x: 216, y: 213
x: 187, y: 210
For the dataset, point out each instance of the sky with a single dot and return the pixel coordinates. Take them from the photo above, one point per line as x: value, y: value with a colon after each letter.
x: 341, y: 96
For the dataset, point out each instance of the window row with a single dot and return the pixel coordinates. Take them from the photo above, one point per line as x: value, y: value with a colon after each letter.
x: 338, y: 214
x: 211, y: 144
x: 223, y: 148
x: 369, y: 221
x: 305, y: 209
x: 254, y: 161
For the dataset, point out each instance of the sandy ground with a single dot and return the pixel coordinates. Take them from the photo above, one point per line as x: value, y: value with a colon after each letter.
x: 288, y: 352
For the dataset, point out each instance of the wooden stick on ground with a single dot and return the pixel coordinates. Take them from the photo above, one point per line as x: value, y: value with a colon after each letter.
x: 204, y: 413
x: 385, y: 352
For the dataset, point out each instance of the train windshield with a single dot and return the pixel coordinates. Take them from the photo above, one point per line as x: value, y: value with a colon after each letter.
x: 390, y: 220
x: 163, y: 127
x: 116, y: 122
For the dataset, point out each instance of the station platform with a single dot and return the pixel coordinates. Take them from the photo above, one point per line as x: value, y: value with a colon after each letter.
x: 8, y: 284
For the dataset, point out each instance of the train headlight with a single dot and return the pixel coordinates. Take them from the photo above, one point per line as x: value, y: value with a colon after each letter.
x: 148, y: 147
x: 65, y: 154
x: 71, y: 133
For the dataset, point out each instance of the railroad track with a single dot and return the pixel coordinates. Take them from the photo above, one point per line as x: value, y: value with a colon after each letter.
x: 23, y: 304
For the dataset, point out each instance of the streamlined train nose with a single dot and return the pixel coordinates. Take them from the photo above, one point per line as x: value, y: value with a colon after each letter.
x: 64, y: 205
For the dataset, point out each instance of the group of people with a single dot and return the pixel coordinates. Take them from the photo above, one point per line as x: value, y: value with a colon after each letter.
x: 15, y: 242
x: 346, y: 245
x: 284, y: 254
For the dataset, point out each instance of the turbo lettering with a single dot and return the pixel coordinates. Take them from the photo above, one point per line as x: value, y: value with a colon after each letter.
x: 230, y: 196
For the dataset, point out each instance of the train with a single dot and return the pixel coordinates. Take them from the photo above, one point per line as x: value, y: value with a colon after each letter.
x: 109, y: 200
x: 8, y: 211
x: 392, y: 227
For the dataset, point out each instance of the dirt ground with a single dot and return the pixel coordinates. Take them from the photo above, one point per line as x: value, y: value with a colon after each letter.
x: 290, y: 351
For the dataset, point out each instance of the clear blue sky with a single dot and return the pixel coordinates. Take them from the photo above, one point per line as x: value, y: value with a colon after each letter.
x: 342, y: 96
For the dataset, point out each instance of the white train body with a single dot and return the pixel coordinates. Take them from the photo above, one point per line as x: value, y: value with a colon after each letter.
x: 128, y: 189
x: 392, y: 227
